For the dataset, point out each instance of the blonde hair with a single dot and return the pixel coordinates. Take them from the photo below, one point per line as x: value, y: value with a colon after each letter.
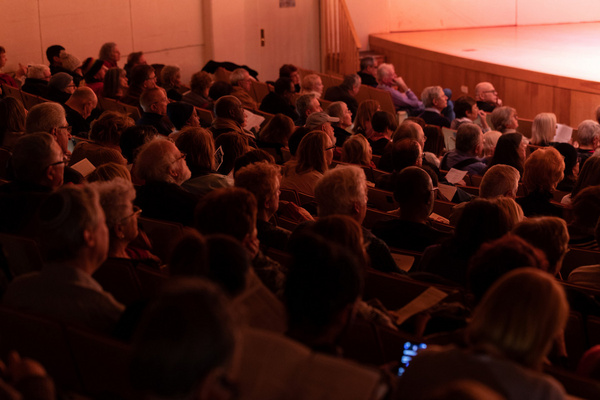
x: 543, y: 170
x: 519, y: 317
x: 512, y: 209
x: 356, y: 150
x: 543, y: 129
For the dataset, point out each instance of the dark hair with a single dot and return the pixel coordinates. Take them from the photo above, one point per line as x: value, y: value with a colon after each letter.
x: 184, y: 335
x: 251, y: 157
x: 138, y: 75
x: 230, y: 211
x: 496, y: 258
x: 411, y: 187
x: 219, y: 89
x: 570, y: 154
x: 507, y: 151
x: 108, y: 127
x: 383, y: 120
x: 219, y: 258
x: 287, y: 70
x: 296, y: 138
x: 233, y: 145
x: 112, y: 82
x: 323, y: 280
x: 282, y: 85
x: 12, y: 116
x: 463, y: 105
x: 51, y: 52
x: 133, y: 138
x: 405, y: 153
x: 467, y: 137
x: 588, y: 176
x: 89, y: 75
x: 435, y: 140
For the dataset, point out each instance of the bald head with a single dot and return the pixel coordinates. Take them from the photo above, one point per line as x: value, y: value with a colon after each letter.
x: 230, y: 107
x: 83, y: 100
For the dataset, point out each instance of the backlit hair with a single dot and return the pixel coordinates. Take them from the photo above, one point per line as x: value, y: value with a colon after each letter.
x: 199, y: 147
x: 309, y: 82
x: 44, y: 117
x: 116, y: 197
x: 501, y: 117
x: 311, y: 152
x: 548, y: 234
x: 154, y: 160
x: 519, y: 317
x: 339, y: 189
x: 543, y: 129
x: 108, y: 127
x: 587, y: 131
x: 429, y: 94
x: 364, y: 113
x: 356, y: 150
x: 543, y: 170
x: 261, y: 179
x: 499, y: 180
x: 277, y: 130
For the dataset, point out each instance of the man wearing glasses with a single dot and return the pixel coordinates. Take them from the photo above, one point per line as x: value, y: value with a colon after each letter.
x: 487, y: 97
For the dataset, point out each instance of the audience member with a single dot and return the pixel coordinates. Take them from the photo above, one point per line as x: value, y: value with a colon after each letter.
x: 170, y: 78
x: 50, y: 117
x: 6, y: 78
x: 315, y: 154
x: 105, y: 135
x: 589, y: 176
x: 383, y: 124
x: 179, y: 352
x: 543, y: 170
x: 230, y: 117
x: 94, y: 76
x: 12, y: 121
x: 571, y: 166
x: 241, y: 81
x: 364, y: 113
x: 404, y: 99
x: 487, y: 97
x: 291, y: 71
x: 368, y: 71
x: 108, y: 172
x: 275, y: 135
x: 74, y: 242
x: 263, y: 180
x: 198, y: 94
x: 154, y: 103
x: 78, y: 109
x: 133, y: 138
x: 133, y: 59
x: 109, y: 54
x: 585, y: 212
x: 37, y: 79
x: 343, y: 191
x: 219, y: 89
x: 466, y: 155
x: 181, y: 115
x: 504, y: 120
x: 434, y: 100
x: 60, y: 87
x: 232, y: 147
x: 404, y: 153
x: 467, y: 111
x: 142, y: 77
x: 587, y: 275
x: 511, y: 149
x: 357, y: 150
x: 490, y: 140
x: 346, y: 92
x: 413, y: 191
x: 71, y: 65
x: 198, y: 146
x: 312, y: 84
x: 339, y: 110
x: 588, y: 137
x: 162, y: 167
x: 281, y: 99
x: 115, y: 84
x: 503, y: 341
x: 543, y: 129
x: 306, y: 105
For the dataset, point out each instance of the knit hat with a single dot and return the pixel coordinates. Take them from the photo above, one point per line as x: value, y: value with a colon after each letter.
x: 179, y: 113
x: 317, y: 119
x: 60, y: 81
x: 69, y: 61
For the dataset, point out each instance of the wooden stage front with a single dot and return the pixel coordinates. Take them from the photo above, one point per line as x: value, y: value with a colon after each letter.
x: 543, y: 68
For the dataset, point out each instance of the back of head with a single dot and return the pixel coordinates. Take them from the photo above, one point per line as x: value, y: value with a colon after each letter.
x: 108, y: 172
x: 429, y: 94
x: 296, y: 138
x: 62, y: 219
x: 225, y: 106
x: 60, y: 81
x: 501, y: 117
x: 543, y: 170
x: 138, y: 75
x: 468, y: 137
x: 303, y: 103
x: 251, y: 157
x: 383, y: 120
x: 219, y: 258
x: 31, y: 156
x: 133, y: 138
x: 336, y: 109
x: 233, y: 145
x: 150, y: 97
x: 154, y: 160
x: 355, y: 150
x: 520, y: 316
x: 499, y: 180
x: 261, y: 179
x: 588, y: 176
x: 219, y: 89
x: 351, y: 81
x: 323, y: 281
x: 406, y: 153
x: 585, y: 207
x: 366, y: 62
x: 339, y: 189
x: 588, y: 132
x: 198, y: 145
x: 413, y: 189
x: 53, y: 51
x: 409, y: 130
x: 83, y: 95
x: 200, y: 81
x: 463, y: 105
x: 12, y: 116
x: 230, y: 211
x: 507, y: 150
x: 548, y: 234
x: 311, y: 152
x: 277, y: 130
x: 108, y: 127
x: 310, y: 82
x: 185, y: 335
x: 490, y: 140
x: 287, y: 70
x: 38, y: 71
x: 44, y: 117
x: 168, y: 74
x: 283, y: 86
x: 106, y: 50
x: 543, y: 129
x: 496, y: 258
x: 365, y: 112
x: 569, y: 154
x: 179, y: 113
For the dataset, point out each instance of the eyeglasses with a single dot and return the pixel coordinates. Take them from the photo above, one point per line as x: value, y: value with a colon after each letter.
x: 68, y: 128
x: 330, y: 148
x: 151, y: 78
x: 57, y: 163
x: 490, y: 91
x: 136, y: 211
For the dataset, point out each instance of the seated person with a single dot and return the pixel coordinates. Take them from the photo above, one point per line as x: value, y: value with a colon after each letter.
x: 357, y: 150
x: 281, y: 99
x: 404, y: 99
x: 198, y: 93
x: 36, y: 83
x: 229, y: 117
x: 368, y: 71
x: 170, y: 78
x: 115, y: 84
x: 588, y: 137
x: 585, y: 211
x: 162, y: 168
x: 434, y: 100
x: 413, y: 190
x: 181, y: 115
x: 306, y: 105
x: 467, y: 111
x: 504, y: 120
x: 487, y: 97
x: 154, y: 103
x: 12, y: 121
x: 262, y: 179
x: 74, y: 243
x: 543, y: 129
x: 60, y: 87
x: 346, y: 92
x: 142, y: 77
x: 383, y: 124
x: 78, y: 110
x: 314, y: 155
x: 339, y: 110
x: 466, y: 155
x: 105, y: 136
x: 312, y: 84
x: 241, y: 81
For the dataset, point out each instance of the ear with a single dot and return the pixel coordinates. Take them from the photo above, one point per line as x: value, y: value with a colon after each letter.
x: 118, y: 231
x: 89, y: 238
x: 173, y: 172
x: 211, y: 387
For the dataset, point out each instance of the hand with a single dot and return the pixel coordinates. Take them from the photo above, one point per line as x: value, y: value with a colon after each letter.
x: 251, y: 244
x: 19, y: 368
x: 483, y: 118
x: 22, y: 71
x: 401, y: 84
x: 499, y: 102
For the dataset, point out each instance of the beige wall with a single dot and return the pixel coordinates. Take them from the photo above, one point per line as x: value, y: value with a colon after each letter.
x: 379, y: 16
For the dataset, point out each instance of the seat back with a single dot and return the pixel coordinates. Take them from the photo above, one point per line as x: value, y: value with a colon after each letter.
x: 162, y: 234
x: 381, y: 200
